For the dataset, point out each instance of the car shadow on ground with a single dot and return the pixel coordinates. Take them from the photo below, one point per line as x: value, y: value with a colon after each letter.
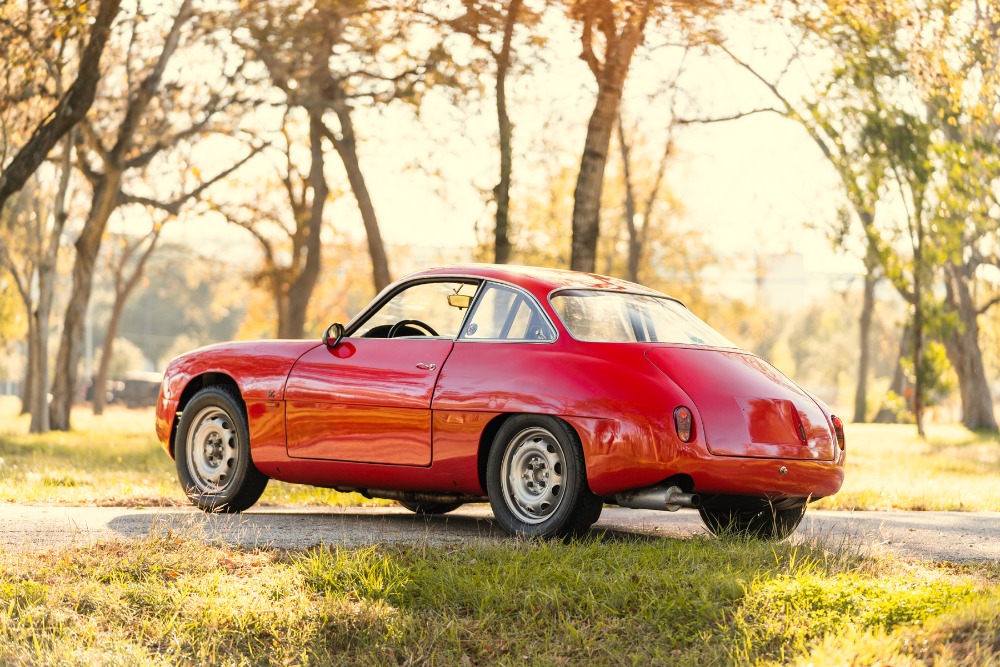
x: 290, y: 529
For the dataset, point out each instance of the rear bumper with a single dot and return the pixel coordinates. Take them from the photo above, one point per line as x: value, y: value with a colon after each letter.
x: 771, y: 477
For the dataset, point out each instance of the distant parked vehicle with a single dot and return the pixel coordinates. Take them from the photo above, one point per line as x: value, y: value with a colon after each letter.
x: 139, y: 389
x: 136, y: 390
x: 546, y: 392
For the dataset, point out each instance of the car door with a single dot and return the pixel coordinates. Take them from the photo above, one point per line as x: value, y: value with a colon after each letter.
x: 368, y: 399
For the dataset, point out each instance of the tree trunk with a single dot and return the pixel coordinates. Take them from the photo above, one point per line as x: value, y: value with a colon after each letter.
x: 590, y: 182
x: 346, y: 146
x: 634, y: 242
x: 87, y: 245
x: 28, y: 388
x: 898, y: 383
x: 502, y: 245
x: 620, y: 43
x: 46, y: 288
x: 865, y: 327
x: 301, y: 289
x: 99, y: 398
x: 964, y: 353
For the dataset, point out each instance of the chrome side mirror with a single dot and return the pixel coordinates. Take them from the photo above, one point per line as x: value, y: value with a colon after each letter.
x: 333, y: 334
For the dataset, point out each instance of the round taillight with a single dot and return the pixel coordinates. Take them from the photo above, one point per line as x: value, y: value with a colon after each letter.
x: 683, y: 423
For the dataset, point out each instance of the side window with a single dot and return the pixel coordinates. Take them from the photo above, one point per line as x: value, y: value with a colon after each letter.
x: 507, y: 314
x: 424, y: 309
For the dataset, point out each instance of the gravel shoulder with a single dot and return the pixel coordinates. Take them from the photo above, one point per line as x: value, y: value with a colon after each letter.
x: 929, y: 536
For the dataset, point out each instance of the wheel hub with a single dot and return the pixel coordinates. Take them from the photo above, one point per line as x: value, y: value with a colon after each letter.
x: 212, y: 450
x: 533, y: 468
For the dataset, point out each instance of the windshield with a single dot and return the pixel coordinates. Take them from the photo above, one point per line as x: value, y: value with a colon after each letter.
x: 604, y: 316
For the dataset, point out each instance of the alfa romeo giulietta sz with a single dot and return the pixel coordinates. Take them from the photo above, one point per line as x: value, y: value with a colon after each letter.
x: 548, y: 393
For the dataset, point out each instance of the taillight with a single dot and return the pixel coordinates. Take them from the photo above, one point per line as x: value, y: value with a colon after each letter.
x: 682, y: 422
x: 838, y: 428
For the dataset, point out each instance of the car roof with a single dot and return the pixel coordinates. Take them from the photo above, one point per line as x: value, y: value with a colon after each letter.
x: 535, y: 279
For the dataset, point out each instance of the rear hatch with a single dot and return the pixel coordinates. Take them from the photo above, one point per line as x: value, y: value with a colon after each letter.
x: 748, y: 408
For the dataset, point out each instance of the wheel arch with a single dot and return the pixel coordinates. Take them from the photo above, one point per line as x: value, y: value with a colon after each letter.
x: 196, y: 384
x: 489, y: 434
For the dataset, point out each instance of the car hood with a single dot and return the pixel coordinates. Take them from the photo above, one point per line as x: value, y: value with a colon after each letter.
x: 747, y: 407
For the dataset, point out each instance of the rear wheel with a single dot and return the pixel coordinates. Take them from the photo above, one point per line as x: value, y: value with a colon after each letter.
x: 212, y: 453
x: 536, y: 479
x: 429, y: 508
x: 755, y: 518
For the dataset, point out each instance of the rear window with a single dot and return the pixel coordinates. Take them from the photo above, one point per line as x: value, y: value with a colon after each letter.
x: 604, y: 316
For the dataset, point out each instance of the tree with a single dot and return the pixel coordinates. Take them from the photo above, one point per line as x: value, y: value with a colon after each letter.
x: 71, y: 106
x: 127, y: 262
x: 620, y: 28
x: 880, y: 123
x: 29, y: 247
x: 124, y: 145
x: 491, y: 25
x: 611, y: 33
x: 289, y: 234
x: 328, y: 57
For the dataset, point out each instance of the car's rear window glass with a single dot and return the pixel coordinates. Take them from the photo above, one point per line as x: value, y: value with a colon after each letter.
x: 504, y: 313
x: 605, y: 316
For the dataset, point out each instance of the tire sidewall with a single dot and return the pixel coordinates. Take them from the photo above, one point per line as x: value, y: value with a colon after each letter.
x: 223, y: 399
x: 559, y: 523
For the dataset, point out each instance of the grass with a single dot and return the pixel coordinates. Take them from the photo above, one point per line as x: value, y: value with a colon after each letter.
x: 600, y: 601
x: 111, y: 460
x: 890, y: 468
x: 115, y: 459
x: 606, y: 601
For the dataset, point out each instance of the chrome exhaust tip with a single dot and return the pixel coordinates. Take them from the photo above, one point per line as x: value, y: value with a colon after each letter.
x: 668, y: 498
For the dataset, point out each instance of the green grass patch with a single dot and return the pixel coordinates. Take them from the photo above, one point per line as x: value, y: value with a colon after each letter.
x: 606, y: 601
x: 889, y: 467
x: 114, y: 459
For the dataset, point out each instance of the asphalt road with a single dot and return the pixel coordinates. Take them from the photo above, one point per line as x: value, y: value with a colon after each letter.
x: 933, y: 536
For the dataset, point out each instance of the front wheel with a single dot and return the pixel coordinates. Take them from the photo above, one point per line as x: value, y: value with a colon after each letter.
x: 213, y: 453
x: 754, y: 518
x: 536, y: 479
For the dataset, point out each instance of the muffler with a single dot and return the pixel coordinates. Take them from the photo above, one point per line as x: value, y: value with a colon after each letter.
x: 669, y: 498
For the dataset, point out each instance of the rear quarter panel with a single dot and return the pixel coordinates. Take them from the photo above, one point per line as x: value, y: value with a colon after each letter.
x: 616, y: 400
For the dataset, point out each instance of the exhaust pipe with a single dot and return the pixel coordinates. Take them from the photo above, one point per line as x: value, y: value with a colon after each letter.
x: 669, y: 498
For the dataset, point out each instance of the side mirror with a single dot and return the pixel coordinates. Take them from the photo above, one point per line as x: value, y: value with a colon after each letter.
x: 333, y: 334
x: 461, y: 301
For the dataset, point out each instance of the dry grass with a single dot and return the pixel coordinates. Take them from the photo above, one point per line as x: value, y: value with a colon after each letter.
x: 890, y: 468
x: 115, y: 460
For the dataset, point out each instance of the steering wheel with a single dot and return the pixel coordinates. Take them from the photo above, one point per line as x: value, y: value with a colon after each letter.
x: 398, y: 326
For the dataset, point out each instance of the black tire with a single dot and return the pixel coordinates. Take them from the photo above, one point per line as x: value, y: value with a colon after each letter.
x: 429, y: 508
x: 212, y: 452
x: 752, y: 518
x: 537, y: 480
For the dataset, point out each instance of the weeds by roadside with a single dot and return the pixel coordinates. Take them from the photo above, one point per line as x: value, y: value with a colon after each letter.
x: 604, y: 601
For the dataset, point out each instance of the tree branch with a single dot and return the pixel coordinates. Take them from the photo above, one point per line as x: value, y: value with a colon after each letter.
x: 173, y: 207
x: 70, y: 110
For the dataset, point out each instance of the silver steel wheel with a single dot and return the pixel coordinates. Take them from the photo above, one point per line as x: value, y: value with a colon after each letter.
x: 532, y: 472
x: 212, y: 450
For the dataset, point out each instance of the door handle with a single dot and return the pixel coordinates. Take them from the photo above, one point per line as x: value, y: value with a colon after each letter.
x: 426, y: 367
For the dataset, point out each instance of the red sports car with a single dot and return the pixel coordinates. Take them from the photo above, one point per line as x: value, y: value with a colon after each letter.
x: 548, y: 393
